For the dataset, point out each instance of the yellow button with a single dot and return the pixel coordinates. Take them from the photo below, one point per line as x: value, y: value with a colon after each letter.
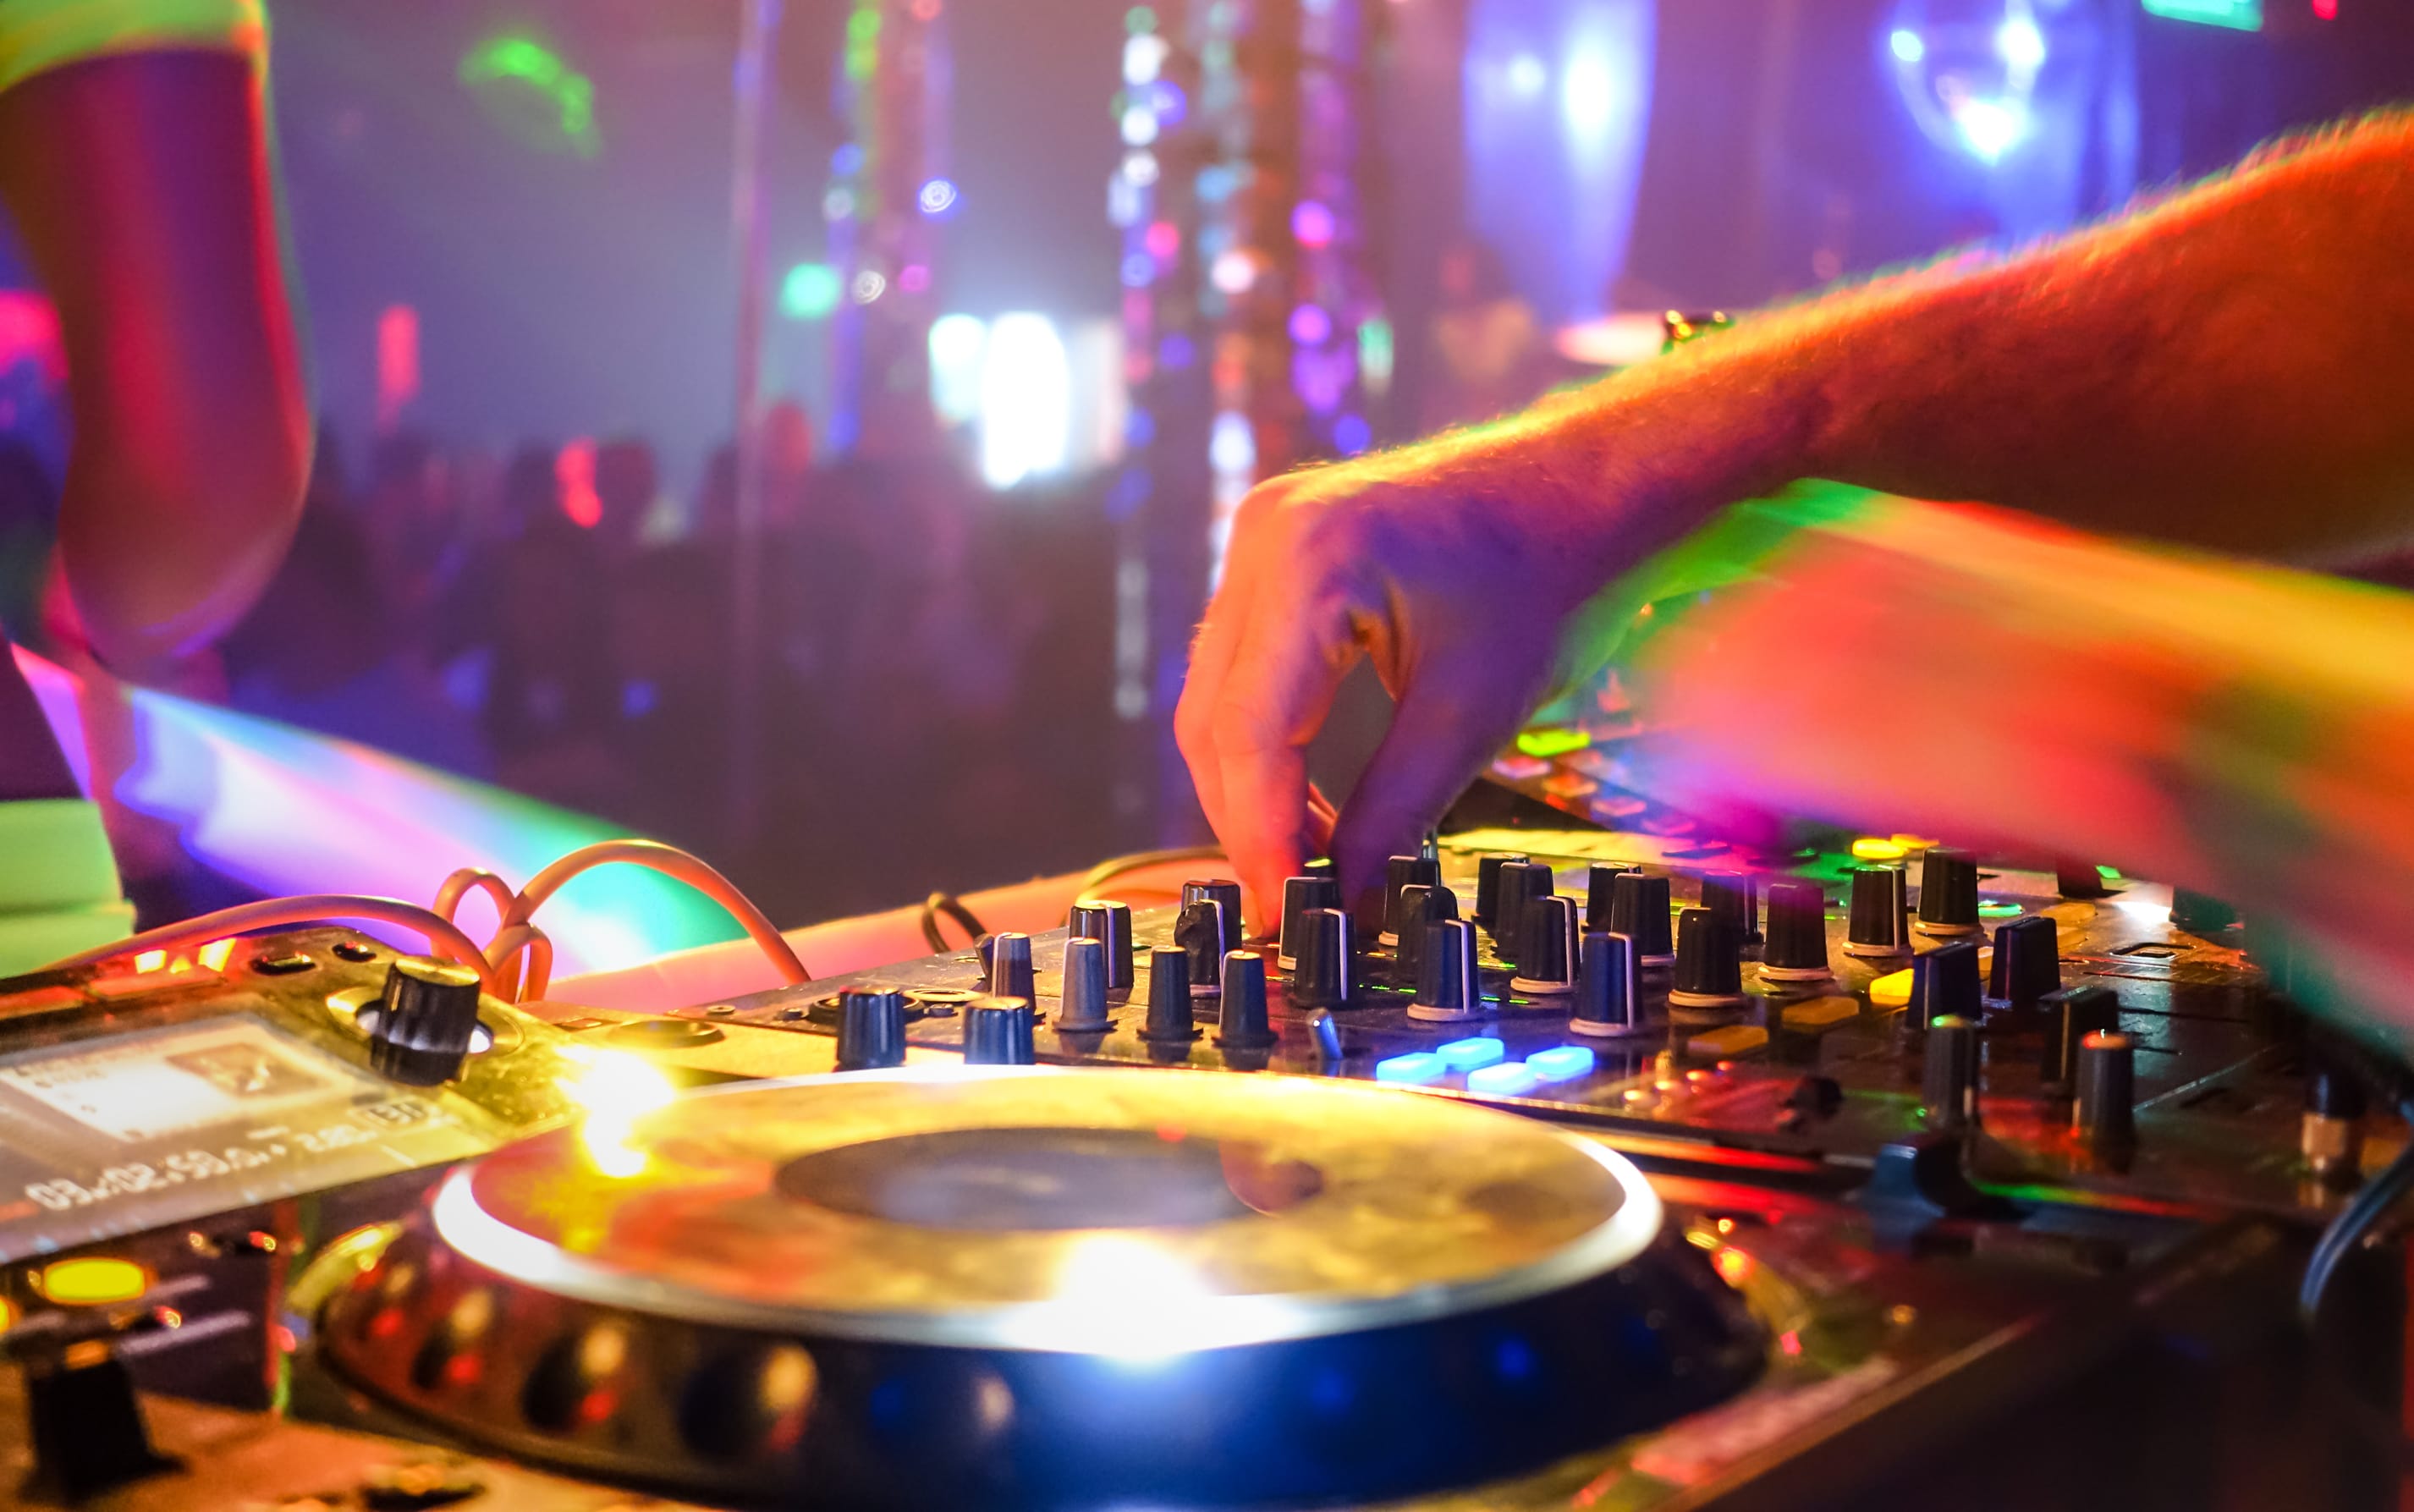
x: 1914, y: 843
x: 94, y: 1281
x: 1734, y: 1040
x: 1819, y: 1012
x: 1893, y: 990
x: 1872, y: 848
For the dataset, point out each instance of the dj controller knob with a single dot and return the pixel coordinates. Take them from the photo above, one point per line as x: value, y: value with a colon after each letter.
x: 1449, y: 987
x: 1169, y: 997
x: 1326, y: 972
x: 1243, y: 1024
x: 1300, y: 895
x: 1226, y: 896
x: 1549, y: 943
x: 998, y: 1032
x: 1420, y: 906
x: 425, y: 1021
x: 1487, y: 885
x: 1401, y: 872
x: 1736, y: 897
x: 1949, y: 1079
x: 870, y: 1028
x: 2329, y: 1133
x: 1111, y: 925
x: 1010, y: 968
x: 1710, y: 962
x: 1949, y: 893
x: 2106, y: 1111
x: 1199, y: 931
x: 1875, y: 918
x: 1638, y: 909
x: 2072, y: 1014
x: 1601, y: 886
x: 2028, y: 962
x: 1945, y: 983
x: 1520, y: 883
x: 1797, y: 949
x: 1082, y: 1007
x: 1609, y: 988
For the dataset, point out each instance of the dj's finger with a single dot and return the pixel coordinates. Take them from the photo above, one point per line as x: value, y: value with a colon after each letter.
x: 1211, y: 663
x: 1450, y: 720
x: 1281, y: 685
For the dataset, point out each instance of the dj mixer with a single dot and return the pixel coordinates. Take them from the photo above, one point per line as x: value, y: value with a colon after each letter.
x: 1606, y: 1168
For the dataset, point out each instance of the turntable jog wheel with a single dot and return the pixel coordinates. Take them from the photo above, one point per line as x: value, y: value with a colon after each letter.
x: 1043, y: 1287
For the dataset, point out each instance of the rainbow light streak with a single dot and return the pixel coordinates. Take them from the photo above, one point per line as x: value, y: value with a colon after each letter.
x: 287, y: 811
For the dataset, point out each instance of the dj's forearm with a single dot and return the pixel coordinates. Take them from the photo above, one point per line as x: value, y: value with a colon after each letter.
x: 2234, y: 368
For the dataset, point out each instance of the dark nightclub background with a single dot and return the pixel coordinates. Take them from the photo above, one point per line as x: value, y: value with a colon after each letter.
x: 512, y: 222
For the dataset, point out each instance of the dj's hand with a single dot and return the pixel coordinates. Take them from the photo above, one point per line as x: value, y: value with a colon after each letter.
x: 1460, y: 567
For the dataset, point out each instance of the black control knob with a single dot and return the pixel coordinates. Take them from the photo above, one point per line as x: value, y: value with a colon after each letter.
x: 426, y: 1022
x: 1949, y: 1079
x: 1082, y: 1007
x: 2106, y: 1111
x: 1449, y: 987
x: 870, y: 1028
x: 1243, y: 1024
x: 1734, y: 896
x: 1226, y: 896
x: 998, y: 1032
x: 2199, y: 914
x: 2071, y: 1015
x: 2330, y: 1133
x: 1419, y: 907
x: 1521, y: 882
x: 1399, y: 874
x: 1949, y: 893
x: 1111, y: 925
x: 1710, y: 962
x: 1551, y: 943
x: 1327, y: 971
x: 1609, y: 988
x: 1638, y: 909
x: 1945, y: 983
x: 1169, y: 997
x: 1299, y: 895
x: 1875, y: 925
x: 2028, y: 962
x: 1487, y: 885
x: 1200, y: 932
x: 1601, y: 886
x: 1010, y: 968
x: 1797, y: 933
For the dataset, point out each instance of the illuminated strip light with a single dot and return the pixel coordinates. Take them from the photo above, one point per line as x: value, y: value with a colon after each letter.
x: 285, y: 811
x: 2237, y: 15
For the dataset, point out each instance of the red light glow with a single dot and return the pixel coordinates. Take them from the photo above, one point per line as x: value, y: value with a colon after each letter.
x: 575, y: 469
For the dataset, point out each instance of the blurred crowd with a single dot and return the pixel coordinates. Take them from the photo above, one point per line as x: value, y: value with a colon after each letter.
x: 932, y: 698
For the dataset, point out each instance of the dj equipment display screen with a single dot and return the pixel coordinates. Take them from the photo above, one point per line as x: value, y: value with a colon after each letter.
x: 111, y: 1136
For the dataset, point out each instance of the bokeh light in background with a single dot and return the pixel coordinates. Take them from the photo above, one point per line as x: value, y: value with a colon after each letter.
x: 1026, y: 399
x: 1558, y: 94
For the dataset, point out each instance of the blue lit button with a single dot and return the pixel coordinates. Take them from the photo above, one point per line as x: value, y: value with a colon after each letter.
x: 1510, y: 1078
x: 1412, y: 1071
x: 1564, y: 1064
x: 1466, y: 1055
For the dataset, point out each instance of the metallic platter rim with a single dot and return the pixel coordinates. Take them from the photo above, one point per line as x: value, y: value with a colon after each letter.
x: 465, y: 1226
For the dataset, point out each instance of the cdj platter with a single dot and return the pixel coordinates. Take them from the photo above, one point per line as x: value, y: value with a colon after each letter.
x: 1112, y: 1288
